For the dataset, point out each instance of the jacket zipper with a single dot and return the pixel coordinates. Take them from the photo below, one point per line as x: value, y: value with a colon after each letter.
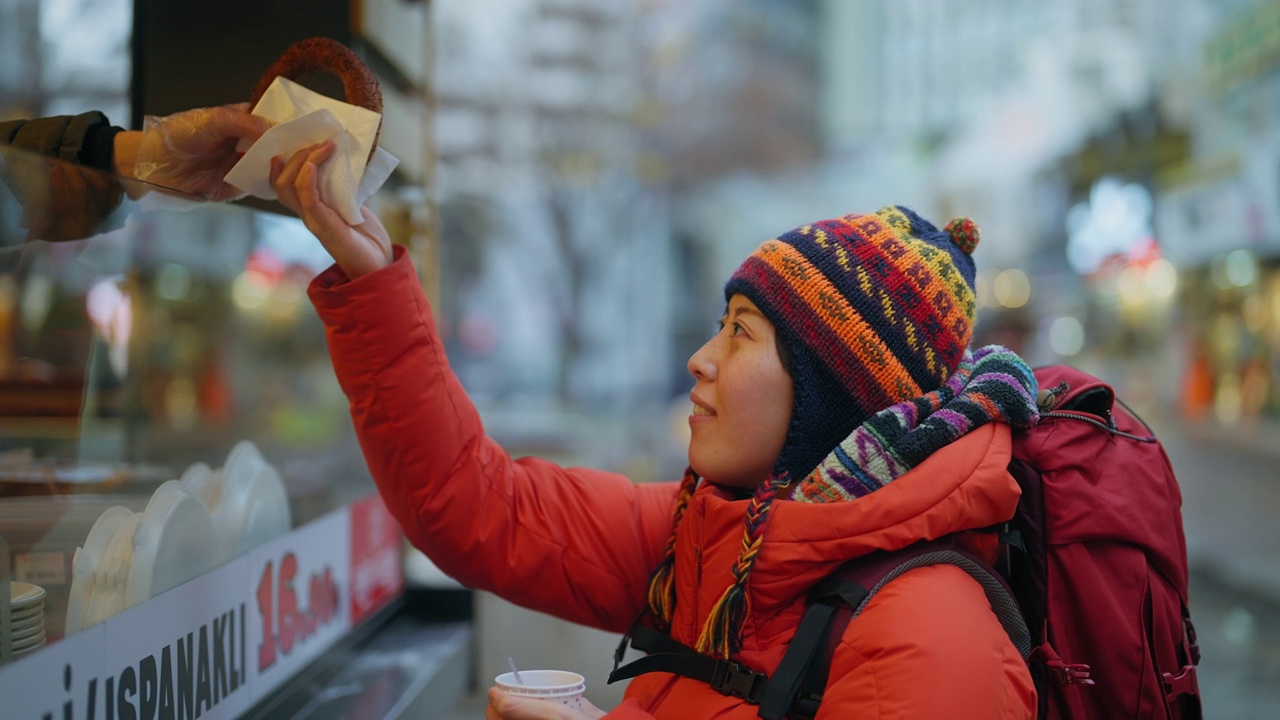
x: 697, y: 583
x: 697, y: 574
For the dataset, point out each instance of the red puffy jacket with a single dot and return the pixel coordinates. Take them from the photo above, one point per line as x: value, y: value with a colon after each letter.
x: 580, y: 544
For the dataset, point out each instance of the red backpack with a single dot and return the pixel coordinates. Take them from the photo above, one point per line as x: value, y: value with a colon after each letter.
x: 1092, y: 586
x: 1103, y: 579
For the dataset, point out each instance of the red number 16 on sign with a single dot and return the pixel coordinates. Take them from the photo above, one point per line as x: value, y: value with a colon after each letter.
x: 287, y: 623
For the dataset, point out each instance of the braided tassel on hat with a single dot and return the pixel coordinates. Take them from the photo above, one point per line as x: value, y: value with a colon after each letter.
x: 722, y: 632
x: 662, y: 586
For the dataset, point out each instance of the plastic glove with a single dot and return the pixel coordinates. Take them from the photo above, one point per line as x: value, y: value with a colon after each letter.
x: 193, y: 150
x: 505, y: 706
x: 358, y: 249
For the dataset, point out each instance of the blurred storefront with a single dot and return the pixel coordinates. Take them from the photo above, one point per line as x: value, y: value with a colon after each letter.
x: 187, y: 524
x: 1218, y: 220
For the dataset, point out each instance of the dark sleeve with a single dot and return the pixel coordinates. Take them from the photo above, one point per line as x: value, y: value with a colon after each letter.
x: 87, y: 139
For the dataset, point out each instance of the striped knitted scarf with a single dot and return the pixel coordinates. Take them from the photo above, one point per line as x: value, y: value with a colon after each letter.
x: 991, y: 384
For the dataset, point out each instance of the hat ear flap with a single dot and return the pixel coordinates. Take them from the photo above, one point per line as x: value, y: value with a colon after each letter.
x: 964, y: 233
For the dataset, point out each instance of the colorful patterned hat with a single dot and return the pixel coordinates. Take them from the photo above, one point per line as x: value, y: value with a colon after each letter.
x: 873, y: 309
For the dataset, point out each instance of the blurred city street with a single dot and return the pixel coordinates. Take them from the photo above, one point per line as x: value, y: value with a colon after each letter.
x: 1230, y: 495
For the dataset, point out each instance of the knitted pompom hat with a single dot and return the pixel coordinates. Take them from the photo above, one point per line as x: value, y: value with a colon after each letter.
x: 873, y: 310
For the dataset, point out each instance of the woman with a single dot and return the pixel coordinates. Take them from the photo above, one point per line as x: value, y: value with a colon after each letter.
x: 837, y: 411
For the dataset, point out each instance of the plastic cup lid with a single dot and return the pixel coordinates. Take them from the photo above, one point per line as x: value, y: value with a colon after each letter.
x: 542, y: 683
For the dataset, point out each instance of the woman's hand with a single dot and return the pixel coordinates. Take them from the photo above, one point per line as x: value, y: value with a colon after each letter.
x: 358, y: 249
x: 505, y: 706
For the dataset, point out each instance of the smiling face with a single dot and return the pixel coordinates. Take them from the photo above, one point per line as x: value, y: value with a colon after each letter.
x: 741, y: 401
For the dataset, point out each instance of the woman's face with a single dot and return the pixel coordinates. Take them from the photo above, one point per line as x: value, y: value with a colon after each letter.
x: 741, y: 400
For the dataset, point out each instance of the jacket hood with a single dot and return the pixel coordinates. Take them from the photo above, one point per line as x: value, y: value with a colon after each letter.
x: 963, y: 486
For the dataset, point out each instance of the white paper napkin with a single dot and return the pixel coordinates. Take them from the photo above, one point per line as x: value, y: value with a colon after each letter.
x: 303, y: 117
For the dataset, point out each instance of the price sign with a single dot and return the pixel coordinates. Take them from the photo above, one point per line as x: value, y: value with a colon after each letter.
x: 285, y: 622
x: 181, y: 654
x: 377, y: 560
x: 61, y: 680
x: 212, y: 647
x: 299, y: 603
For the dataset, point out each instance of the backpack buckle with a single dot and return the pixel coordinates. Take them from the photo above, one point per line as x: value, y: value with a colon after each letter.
x: 731, y: 678
x: 1067, y: 673
x: 1070, y: 673
x: 1184, y: 683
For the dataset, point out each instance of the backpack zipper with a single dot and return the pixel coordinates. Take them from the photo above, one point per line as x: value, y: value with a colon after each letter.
x: 1109, y: 427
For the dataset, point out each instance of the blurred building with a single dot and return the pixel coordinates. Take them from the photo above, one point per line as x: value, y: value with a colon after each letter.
x: 65, y: 56
x: 1218, y: 218
x: 731, y: 91
x: 570, y: 136
x: 1070, y: 131
x: 559, y: 248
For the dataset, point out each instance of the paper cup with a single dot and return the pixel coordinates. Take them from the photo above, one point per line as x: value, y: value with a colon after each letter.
x: 558, y: 686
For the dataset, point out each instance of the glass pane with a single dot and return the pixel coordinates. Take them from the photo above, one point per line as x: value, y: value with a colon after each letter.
x: 166, y: 397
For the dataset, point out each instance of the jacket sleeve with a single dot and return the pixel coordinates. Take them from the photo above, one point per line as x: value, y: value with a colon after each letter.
x: 86, y: 139
x: 928, y: 646
x: 573, y: 542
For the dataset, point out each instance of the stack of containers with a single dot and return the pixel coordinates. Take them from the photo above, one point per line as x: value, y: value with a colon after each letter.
x: 190, y: 526
x: 26, y: 612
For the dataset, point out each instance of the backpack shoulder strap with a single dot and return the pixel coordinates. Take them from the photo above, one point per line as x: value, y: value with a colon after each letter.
x: 801, y: 677
x: 665, y: 654
x: 797, y: 685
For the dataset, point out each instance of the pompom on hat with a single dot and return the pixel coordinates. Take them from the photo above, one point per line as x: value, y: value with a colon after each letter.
x: 873, y: 310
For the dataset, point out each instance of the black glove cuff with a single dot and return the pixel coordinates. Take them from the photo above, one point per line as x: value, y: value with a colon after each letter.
x: 98, y: 150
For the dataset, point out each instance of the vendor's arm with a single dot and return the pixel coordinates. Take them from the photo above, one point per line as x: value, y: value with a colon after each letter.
x: 87, y: 139
x: 189, y: 151
x: 573, y: 542
x: 64, y: 197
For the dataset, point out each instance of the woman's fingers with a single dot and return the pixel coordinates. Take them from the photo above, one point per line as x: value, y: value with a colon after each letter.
x: 307, y: 189
x: 285, y: 178
x: 286, y: 181
x: 320, y: 153
x: 357, y: 249
x: 505, y: 706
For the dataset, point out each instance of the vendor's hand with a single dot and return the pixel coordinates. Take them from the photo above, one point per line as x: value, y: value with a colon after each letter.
x: 358, y: 249
x: 505, y: 706
x: 190, y: 151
